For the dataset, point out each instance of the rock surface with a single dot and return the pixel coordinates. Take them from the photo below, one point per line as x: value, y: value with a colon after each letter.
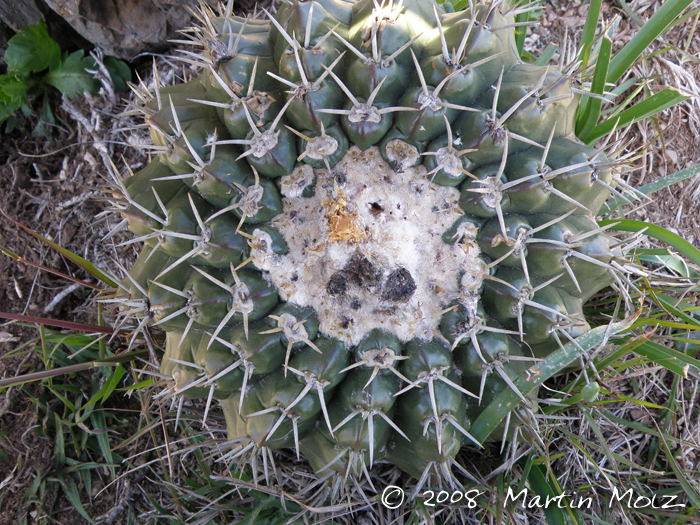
x: 125, y: 28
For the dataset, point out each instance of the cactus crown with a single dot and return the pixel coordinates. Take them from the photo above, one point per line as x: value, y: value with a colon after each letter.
x: 363, y: 223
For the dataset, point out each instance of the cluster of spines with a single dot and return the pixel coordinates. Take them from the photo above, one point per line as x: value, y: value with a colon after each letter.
x: 475, y: 118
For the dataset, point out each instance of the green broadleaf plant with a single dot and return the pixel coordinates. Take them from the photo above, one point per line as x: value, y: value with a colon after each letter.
x: 35, y: 62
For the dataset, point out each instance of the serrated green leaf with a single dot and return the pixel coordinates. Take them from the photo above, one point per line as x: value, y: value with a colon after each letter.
x: 7, y: 108
x: 14, y: 86
x: 71, y: 78
x: 32, y: 50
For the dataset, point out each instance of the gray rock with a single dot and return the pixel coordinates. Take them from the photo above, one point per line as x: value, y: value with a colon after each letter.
x: 125, y: 28
x: 16, y: 14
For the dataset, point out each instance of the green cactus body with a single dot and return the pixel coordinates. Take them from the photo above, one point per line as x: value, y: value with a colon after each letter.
x: 362, y: 225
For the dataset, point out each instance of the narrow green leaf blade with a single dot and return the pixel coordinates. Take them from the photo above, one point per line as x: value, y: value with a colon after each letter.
x: 649, y: 107
x: 549, y: 490
x: 99, y: 421
x: 71, y: 491
x: 669, y: 180
x: 546, y: 55
x: 589, y: 30
x: 689, y: 490
x: 662, y: 234
x: 77, y: 259
x: 589, y: 118
x: 670, y: 358
x: 657, y: 185
x: 113, y: 382
x: 654, y: 27
x: 539, y: 372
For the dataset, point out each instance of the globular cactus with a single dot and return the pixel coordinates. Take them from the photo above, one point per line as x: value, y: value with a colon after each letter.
x: 364, y: 222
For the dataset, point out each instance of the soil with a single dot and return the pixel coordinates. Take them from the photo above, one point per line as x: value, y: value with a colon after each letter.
x: 49, y: 185
x: 53, y: 185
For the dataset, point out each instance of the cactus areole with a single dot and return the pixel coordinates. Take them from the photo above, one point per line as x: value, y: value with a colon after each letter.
x: 363, y: 223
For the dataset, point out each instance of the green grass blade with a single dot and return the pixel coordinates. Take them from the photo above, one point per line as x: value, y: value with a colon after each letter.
x: 520, y: 33
x: 99, y: 422
x: 625, y: 86
x: 649, y: 107
x: 59, y: 443
x: 22, y: 260
x: 601, y: 439
x: 90, y: 328
x: 142, y: 385
x: 672, y: 262
x: 670, y: 304
x: 589, y: 31
x: 655, y: 26
x: 71, y: 491
x: 616, y: 109
x: 657, y: 185
x: 639, y: 402
x: 109, y: 386
x: 674, y: 360
x: 115, y: 378
x: 657, y: 232
x: 36, y: 376
x: 77, y: 259
x: 521, y: 30
x: 630, y: 12
x: 492, y: 415
x: 546, y: 55
x: 549, y: 490
x: 526, y: 472
x: 639, y: 427
x: 579, y: 441
x: 589, y: 118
